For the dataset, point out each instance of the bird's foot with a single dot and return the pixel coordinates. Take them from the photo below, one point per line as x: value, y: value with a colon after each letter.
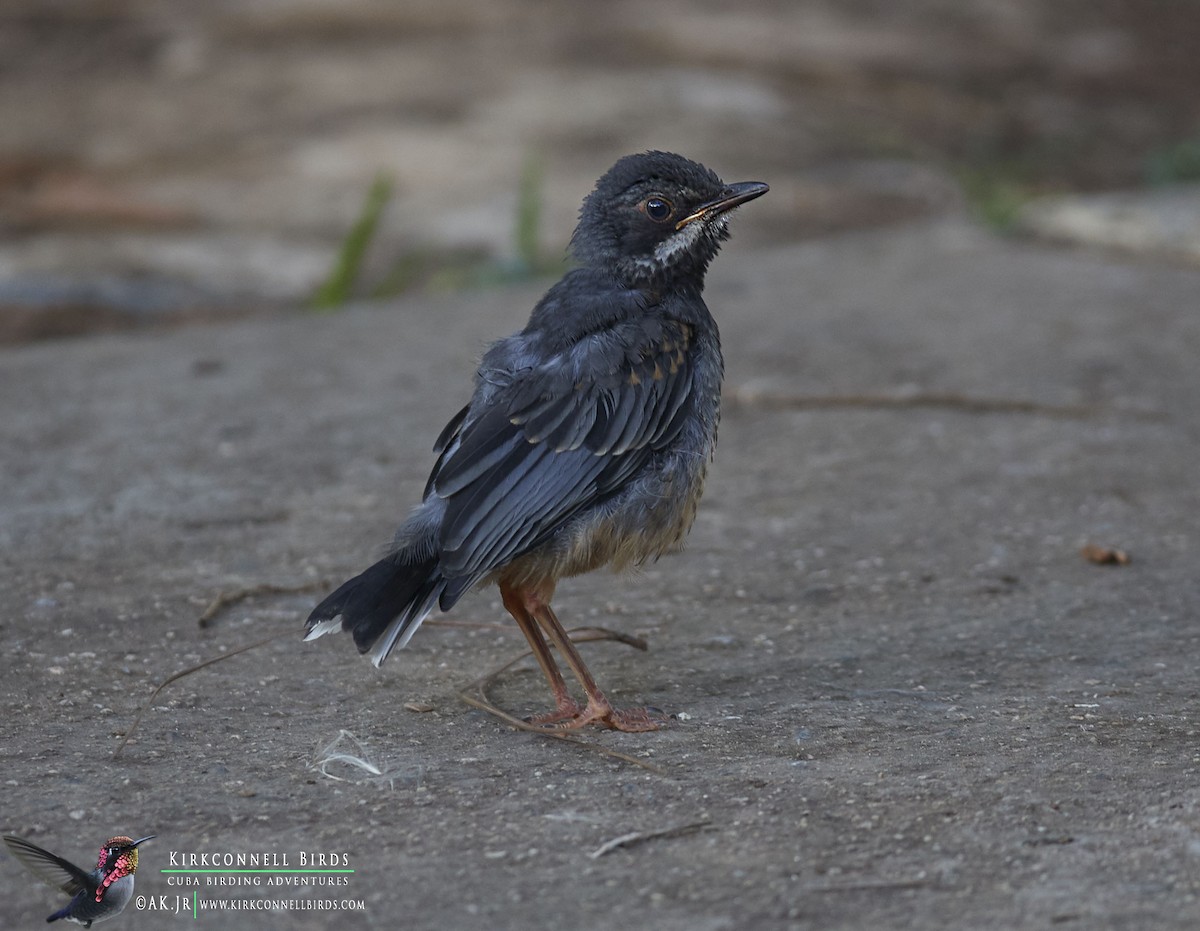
x: 568, y: 710
x: 633, y: 719
x: 601, y: 713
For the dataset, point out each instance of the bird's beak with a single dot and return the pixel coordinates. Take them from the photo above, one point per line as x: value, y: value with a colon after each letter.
x: 142, y: 840
x: 731, y: 197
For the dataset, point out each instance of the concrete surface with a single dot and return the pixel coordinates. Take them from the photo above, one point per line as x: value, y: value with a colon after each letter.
x: 904, y: 699
x: 1162, y: 222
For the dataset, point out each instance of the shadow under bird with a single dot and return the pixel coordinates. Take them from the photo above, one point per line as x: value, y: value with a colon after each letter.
x: 586, y: 440
x: 98, y: 895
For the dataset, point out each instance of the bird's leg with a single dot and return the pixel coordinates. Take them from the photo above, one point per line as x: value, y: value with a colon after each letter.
x: 566, y: 708
x: 598, y: 710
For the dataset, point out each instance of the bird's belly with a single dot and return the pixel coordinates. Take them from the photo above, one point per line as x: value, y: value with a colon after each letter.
x: 116, y: 897
x: 647, y: 519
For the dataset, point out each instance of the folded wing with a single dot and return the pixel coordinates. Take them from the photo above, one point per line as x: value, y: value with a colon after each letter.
x: 556, y: 439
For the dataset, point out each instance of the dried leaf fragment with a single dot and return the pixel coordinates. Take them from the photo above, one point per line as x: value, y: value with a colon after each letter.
x: 1104, y: 555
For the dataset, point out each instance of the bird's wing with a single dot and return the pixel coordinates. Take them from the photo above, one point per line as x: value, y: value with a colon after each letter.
x: 51, y: 869
x: 558, y: 437
x: 444, y: 443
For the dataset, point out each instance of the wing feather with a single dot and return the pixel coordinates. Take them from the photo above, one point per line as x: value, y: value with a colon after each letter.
x: 547, y: 418
x: 51, y: 869
x: 551, y: 487
x: 624, y: 404
x: 556, y: 438
x: 491, y: 440
x: 635, y: 430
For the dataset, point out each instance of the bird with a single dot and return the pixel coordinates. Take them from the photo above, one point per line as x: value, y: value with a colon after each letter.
x: 96, y: 896
x: 585, y: 442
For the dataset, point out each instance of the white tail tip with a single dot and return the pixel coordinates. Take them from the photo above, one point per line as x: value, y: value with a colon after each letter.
x: 324, y: 627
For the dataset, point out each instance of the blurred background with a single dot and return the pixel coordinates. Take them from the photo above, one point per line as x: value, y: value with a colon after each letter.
x: 169, y: 160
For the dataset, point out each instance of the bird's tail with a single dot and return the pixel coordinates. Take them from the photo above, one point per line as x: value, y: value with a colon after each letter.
x: 382, y: 607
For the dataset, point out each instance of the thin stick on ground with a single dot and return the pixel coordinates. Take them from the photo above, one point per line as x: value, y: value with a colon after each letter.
x: 947, y: 401
x: 640, y: 837
x: 137, y: 719
x: 870, y: 886
x: 227, y: 599
x: 481, y: 700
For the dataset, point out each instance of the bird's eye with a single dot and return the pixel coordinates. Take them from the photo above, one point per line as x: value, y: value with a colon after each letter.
x: 657, y: 208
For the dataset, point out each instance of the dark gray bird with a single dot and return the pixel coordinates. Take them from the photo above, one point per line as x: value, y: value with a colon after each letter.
x: 98, y: 895
x: 587, y: 439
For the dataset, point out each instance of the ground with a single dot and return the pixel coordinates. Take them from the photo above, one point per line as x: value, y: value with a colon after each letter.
x: 902, y: 696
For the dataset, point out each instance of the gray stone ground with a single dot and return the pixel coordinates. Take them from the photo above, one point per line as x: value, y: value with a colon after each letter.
x: 904, y: 699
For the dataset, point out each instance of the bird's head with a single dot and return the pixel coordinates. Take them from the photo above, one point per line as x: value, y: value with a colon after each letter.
x: 119, y: 857
x: 657, y: 218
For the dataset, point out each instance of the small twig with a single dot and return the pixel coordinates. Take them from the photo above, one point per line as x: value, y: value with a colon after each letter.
x: 870, y: 885
x: 640, y: 837
x: 591, y: 634
x: 226, y: 599
x: 473, y: 625
x: 883, y: 693
x: 484, y: 703
x: 137, y: 719
x: 498, y: 712
x: 959, y: 402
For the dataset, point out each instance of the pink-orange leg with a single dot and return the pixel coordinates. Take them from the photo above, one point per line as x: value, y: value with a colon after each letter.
x: 531, y: 607
x: 566, y: 708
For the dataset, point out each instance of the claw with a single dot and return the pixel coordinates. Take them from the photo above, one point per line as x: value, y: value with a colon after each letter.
x: 633, y: 720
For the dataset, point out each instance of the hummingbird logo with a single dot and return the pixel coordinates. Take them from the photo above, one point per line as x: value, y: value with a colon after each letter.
x: 96, y: 896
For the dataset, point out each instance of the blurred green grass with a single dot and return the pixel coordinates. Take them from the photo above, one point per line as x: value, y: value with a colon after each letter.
x: 438, y: 270
x: 1174, y: 164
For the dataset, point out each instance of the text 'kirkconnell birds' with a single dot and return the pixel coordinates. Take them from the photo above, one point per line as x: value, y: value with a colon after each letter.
x: 257, y: 860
